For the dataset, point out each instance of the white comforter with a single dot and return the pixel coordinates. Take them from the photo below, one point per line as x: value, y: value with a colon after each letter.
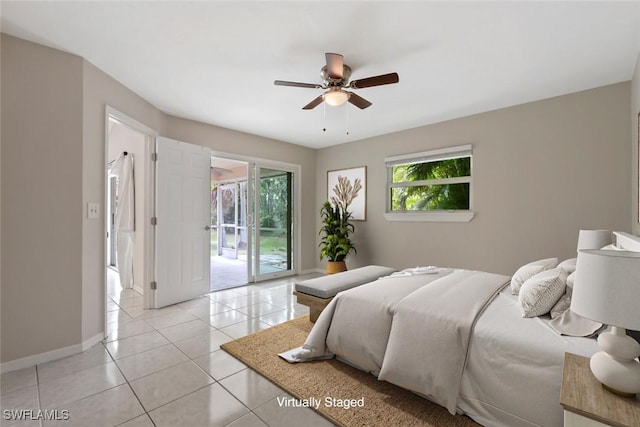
x: 356, y: 323
x: 430, y: 334
x: 412, y: 331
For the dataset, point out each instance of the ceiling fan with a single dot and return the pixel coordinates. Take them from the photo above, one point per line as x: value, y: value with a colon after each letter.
x: 335, y: 77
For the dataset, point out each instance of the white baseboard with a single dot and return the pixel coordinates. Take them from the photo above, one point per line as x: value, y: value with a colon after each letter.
x: 87, y: 344
x: 138, y: 289
x: 36, y: 359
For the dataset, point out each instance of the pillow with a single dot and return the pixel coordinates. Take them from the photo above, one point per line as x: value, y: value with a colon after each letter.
x: 540, y: 293
x: 569, y: 265
x: 529, y: 270
x: 561, y: 306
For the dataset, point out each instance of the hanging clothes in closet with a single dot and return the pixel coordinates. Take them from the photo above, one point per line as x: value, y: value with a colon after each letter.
x: 122, y: 167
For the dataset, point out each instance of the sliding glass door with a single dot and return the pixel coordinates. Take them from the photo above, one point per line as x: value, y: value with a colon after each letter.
x: 272, y: 226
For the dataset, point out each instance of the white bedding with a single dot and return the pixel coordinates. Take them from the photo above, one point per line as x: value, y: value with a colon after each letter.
x: 513, y: 365
x: 514, y: 368
x: 430, y: 334
x: 355, y: 325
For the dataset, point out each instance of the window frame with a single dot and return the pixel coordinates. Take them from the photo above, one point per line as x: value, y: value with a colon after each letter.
x: 453, y: 215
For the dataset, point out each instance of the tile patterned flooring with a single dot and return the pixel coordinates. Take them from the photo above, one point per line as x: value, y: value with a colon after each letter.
x: 165, y: 367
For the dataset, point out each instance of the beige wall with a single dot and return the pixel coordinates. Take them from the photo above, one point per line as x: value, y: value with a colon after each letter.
x: 100, y: 90
x: 541, y: 172
x: 42, y: 209
x: 635, y: 141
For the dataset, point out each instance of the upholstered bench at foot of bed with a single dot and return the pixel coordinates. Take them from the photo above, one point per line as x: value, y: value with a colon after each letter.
x: 317, y: 293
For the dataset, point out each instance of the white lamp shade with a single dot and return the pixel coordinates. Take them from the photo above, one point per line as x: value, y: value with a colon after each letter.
x: 593, y: 239
x: 335, y: 97
x: 607, y: 287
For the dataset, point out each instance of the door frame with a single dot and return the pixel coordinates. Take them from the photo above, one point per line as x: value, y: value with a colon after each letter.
x: 111, y: 241
x: 149, y: 186
x: 297, y: 207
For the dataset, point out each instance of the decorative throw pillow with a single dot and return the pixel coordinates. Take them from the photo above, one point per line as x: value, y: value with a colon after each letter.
x: 561, y: 306
x: 529, y: 270
x: 569, y: 265
x: 540, y: 293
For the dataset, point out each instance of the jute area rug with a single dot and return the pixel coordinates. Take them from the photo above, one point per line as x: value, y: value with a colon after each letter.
x: 384, y: 404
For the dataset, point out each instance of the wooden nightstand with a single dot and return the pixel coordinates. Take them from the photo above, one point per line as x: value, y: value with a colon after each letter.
x: 587, y: 404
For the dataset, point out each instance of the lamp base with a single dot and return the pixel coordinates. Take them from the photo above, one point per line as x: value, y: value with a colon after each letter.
x: 616, y: 367
x: 618, y: 392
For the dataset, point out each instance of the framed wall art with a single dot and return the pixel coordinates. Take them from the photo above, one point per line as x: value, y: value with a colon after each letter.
x: 358, y: 206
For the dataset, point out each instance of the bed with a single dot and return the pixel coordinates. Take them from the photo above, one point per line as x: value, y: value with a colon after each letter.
x: 473, y: 352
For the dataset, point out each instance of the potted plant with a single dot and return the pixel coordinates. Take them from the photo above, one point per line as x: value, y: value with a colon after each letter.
x: 336, y: 229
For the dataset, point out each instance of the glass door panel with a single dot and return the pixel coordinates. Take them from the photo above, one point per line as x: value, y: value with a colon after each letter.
x: 274, y: 223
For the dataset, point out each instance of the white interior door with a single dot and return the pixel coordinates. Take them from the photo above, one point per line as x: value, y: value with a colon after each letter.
x: 183, y: 180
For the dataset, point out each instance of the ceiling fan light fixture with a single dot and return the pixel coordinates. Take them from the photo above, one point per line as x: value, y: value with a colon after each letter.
x: 335, y: 97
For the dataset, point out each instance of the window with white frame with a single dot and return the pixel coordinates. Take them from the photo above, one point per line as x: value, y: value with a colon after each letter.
x: 432, y: 185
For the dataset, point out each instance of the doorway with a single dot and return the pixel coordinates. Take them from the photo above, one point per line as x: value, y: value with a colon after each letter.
x: 229, y: 225
x: 124, y: 134
x: 252, y: 222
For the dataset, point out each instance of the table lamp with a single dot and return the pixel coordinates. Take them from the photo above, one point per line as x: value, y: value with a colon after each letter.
x: 593, y: 239
x: 607, y: 290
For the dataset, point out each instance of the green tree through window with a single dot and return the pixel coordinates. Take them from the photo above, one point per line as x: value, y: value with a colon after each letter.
x: 438, y: 185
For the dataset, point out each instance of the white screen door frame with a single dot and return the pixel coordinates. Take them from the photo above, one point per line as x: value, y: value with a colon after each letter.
x: 182, y: 232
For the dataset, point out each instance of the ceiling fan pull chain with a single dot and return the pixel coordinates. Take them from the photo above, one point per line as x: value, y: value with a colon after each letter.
x: 346, y: 108
x: 324, y: 116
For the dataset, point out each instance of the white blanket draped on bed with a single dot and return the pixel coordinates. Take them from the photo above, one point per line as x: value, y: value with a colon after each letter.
x: 412, y: 331
x: 356, y: 323
x: 430, y: 333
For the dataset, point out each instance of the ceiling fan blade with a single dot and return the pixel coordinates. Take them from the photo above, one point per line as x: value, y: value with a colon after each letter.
x: 358, y: 101
x: 313, y: 104
x: 296, y: 84
x: 384, y: 79
x: 335, y: 65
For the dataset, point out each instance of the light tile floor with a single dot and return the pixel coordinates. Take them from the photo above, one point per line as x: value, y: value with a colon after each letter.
x: 165, y: 367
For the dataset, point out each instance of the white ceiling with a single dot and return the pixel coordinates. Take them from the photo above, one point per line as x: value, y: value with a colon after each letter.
x: 215, y: 62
